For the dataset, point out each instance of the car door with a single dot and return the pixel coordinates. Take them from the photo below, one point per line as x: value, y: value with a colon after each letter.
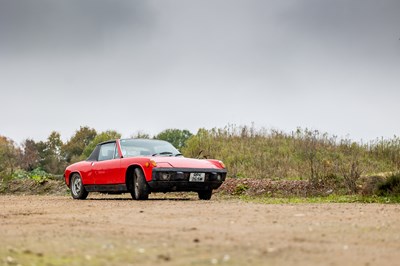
x: 107, y: 168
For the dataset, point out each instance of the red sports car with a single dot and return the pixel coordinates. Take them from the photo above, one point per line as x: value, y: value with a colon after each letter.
x: 142, y: 166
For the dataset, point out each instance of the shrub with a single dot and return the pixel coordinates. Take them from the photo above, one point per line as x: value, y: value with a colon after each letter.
x: 389, y: 187
x: 240, y: 189
x: 370, y: 184
x: 37, y: 175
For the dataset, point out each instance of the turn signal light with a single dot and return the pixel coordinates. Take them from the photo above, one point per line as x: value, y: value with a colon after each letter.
x: 222, y: 164
x: 153, y: 163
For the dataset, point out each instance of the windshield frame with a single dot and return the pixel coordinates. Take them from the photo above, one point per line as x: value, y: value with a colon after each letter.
x: 147, y: 148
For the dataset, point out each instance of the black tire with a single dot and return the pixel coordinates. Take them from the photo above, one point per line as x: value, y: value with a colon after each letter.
x: 205, y: 194
x: 140, y: 187
x: 78, y: 191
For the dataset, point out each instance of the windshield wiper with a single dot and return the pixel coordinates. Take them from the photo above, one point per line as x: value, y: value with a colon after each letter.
x: 163, y: 153
x: 178, y: 154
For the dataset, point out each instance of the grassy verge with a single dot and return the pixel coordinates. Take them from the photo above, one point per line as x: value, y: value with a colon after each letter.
x: 321, y: 199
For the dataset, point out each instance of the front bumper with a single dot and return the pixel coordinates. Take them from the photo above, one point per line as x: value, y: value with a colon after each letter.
x: 178, y: 179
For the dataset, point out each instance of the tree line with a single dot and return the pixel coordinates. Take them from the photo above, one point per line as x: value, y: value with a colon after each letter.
x: 53, y: 155
x: 246, y: 151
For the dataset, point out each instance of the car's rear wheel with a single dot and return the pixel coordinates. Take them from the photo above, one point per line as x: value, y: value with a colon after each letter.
x: 78, y: 191
x: 140, y: 187
x: 205, y: 194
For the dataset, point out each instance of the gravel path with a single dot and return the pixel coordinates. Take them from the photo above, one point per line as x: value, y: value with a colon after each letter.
x: 115, y: 230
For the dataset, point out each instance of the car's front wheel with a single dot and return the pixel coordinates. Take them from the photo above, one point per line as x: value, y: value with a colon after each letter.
x: 205, y: 195
x: 140, y: 188
x: 78, y: 191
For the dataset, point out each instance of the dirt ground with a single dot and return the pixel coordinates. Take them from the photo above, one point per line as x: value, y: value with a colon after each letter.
x: 181, y: 230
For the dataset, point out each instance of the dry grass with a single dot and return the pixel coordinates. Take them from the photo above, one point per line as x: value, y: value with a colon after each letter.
x: 300, y: 155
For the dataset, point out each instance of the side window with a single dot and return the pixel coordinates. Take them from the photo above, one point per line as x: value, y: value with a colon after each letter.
x: 116, y: 154
x: 107, y: 151
x: 94, y: 155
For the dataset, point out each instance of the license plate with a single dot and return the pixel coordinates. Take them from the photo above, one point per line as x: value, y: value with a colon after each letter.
x: 197, y: 177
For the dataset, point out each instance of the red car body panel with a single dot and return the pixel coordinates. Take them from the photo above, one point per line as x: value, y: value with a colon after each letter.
x: 114, y: 171
x: 140, y: 162
x: 108, y: 172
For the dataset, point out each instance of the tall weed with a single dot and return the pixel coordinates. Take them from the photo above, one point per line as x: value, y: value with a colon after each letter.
x: 302, y: 154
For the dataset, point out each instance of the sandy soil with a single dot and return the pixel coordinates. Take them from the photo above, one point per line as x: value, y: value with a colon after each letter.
x: 115, y: 230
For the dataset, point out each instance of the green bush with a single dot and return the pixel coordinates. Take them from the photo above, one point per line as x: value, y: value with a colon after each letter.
x: 389, y: 187
x: 240, y: 189
x: 20, y: 174
x: 37, y: 175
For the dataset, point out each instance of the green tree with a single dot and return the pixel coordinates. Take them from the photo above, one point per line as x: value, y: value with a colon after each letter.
x: 73, y: 149
x: 50, y: 154
x: 103, y: 136
x: 9, y: 156
x: 54, y: 144
x: 140, y: 135
x: 176, y: 137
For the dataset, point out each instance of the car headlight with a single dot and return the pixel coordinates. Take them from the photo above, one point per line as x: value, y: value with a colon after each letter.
x: 222, y: 164
x: 164, y: 176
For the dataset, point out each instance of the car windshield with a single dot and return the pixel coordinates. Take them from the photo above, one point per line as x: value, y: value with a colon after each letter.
x: 147, y: 147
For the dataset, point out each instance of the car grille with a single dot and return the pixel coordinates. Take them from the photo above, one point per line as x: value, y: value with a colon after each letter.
x: 184, y: 176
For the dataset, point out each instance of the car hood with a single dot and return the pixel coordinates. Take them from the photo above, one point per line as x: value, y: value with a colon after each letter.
x: 181, y: 162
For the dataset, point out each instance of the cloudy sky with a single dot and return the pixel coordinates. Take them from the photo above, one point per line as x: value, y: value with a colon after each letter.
x: 150, y: 65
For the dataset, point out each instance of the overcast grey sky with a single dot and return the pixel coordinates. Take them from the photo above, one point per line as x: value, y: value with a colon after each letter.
x: 150, y: 65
